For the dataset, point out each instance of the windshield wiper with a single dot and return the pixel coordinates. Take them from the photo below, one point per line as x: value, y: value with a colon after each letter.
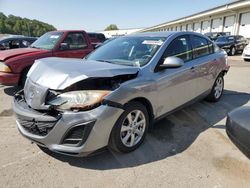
x: 103, y: 60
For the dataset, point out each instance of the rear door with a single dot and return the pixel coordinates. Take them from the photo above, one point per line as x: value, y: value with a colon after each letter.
x: 205, y: 63
x: 75, y: 46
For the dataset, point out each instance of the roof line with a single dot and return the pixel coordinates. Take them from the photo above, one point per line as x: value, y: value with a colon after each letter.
x: 196, y: 14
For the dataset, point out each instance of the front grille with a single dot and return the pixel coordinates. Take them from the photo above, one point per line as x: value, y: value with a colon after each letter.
x: 36, y: 127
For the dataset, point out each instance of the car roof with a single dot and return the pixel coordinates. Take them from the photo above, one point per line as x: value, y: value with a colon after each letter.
x: 94, y: 33
x: 15, y: 37
x: 165, y: 34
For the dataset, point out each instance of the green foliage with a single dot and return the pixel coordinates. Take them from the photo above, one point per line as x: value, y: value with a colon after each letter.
x: 111, y: 27
x: 22, y: 26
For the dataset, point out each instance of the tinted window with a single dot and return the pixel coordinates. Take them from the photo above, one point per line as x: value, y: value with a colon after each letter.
x: 200, y: 46
x: 75, y: 41
x: 180, y: 47
x: 25, y: 43
x: 91, y: 35
x: 15, y: 43
x: 101, y: 37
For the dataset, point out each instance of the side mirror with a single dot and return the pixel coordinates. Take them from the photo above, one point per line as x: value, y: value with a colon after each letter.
x: 64, y: 46
x: 172, y: 62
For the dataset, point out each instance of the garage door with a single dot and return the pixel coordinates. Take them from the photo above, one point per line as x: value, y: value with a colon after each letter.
x: 205, y: 27
x: 189, y: 27
x: 216, y: 25
x: 229, y: 24
x: 245, y: 25
x: 197, y: 27
x: 184, y: 27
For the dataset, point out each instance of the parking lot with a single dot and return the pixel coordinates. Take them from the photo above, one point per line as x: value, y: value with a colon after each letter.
x: 188, y: 148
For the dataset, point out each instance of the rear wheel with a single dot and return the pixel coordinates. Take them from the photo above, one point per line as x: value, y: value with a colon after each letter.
x: 217, y: 89
x: 130, y: 129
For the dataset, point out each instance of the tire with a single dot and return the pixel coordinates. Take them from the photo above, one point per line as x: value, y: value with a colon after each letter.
x: 132, y: 132
x: 217, y: 89
x: 232, y: 51
x: 24, y: 77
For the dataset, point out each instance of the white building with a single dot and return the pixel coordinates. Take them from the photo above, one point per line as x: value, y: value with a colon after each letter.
x: 120, y: 32
x: 232, y: 17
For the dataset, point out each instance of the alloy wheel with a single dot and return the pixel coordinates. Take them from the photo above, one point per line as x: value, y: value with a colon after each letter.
x: 133, y: 128
x: 218, y: 87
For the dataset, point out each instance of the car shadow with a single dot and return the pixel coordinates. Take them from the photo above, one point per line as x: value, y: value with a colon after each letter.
x: 11, y: 90
x: 168, y: 137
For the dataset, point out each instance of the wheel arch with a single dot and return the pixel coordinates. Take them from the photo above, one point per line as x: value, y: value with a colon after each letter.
x: 147, y: 104
x: 25, y: 69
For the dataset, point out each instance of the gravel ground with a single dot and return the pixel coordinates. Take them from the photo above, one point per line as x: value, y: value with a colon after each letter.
x: 187, y: 149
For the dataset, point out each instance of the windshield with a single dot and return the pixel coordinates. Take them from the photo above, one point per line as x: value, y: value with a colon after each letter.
x: 47, y: 41
x: 131, y: 51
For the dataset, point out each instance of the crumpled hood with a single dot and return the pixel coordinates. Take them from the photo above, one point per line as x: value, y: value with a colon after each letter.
x: 60, y: 73
x: 7, y: 54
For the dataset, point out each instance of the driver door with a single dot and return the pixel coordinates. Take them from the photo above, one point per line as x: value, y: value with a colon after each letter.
x: 76, y: 46
x: 176, y: 86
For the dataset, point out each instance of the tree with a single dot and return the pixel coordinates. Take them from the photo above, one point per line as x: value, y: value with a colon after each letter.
x: 22, y: 26
x: 111, y: 27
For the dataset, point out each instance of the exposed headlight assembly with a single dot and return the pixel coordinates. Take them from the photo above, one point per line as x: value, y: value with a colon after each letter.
x: 4, y: 68
x: 78, y: 100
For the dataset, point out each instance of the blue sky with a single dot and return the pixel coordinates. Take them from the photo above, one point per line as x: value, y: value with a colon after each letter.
x: 95, y: 15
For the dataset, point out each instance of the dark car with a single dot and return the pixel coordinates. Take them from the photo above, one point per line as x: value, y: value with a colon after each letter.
x: 16, y: 42
x: 232, y: 44
x: 96, y: 38
x: 238, y: 128
x: 214, y: 35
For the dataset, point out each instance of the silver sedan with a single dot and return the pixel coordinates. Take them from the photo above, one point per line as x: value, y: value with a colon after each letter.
x: 79, y: 106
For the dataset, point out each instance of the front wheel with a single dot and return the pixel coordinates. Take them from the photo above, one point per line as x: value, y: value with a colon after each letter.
x: 217, y: 89
x: 130, y: 129
x: 232, y: 51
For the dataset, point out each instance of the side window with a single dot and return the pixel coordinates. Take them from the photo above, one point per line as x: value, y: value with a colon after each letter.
x: 101, y: 37
x: 14, y: 44
x: 200, y: 46
x: 179, y: 47
x: 25, y: 43
x: 75, y: 41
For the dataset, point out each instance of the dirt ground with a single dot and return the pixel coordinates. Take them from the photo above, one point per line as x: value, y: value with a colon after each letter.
x: 187, y: 149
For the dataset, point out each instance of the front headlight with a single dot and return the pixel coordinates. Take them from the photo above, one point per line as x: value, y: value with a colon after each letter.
x: 78, y: 100
x: 4, y: 68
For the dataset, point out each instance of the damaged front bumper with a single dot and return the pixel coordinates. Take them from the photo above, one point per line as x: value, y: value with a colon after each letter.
x: 69, y: 133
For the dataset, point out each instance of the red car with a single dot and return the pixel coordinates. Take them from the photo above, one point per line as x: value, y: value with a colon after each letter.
x: 14, y: 64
